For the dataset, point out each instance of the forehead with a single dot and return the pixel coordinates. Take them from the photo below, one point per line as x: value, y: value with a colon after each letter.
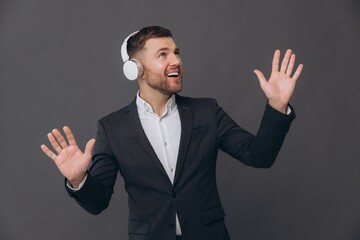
x: 153, y: 45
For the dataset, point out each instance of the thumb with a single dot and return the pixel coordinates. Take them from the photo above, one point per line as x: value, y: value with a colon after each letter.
x: 89, y: 147
x: 261, y: 77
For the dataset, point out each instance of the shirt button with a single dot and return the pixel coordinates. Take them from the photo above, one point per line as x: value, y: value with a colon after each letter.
x: 171, y: 169
x: 165, y: 143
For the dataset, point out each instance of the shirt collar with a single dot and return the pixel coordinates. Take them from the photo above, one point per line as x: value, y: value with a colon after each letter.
x: 144, y: 106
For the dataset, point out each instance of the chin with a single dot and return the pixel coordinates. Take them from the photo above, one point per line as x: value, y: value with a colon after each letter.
x: 177, y: 88
x: 173, y: 90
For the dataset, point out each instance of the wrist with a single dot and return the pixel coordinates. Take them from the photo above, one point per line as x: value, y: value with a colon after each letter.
x: 76, y: 181
x: 281, y: 107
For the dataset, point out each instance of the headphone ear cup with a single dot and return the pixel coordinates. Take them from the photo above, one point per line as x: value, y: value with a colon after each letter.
x: 132, y: 69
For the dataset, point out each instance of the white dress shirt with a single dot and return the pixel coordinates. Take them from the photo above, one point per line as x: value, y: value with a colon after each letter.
x: 163, y: 133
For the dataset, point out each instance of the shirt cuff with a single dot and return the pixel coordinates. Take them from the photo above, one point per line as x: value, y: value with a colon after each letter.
x: 80, y: 185
x: 288, y: 111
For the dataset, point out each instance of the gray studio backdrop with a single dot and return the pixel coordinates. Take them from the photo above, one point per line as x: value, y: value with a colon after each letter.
x: 60, y: 65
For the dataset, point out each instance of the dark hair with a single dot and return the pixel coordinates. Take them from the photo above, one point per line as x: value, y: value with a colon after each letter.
x: 137, y: 41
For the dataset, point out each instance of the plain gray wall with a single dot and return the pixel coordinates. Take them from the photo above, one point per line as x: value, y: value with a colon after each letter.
x: 60, y: 64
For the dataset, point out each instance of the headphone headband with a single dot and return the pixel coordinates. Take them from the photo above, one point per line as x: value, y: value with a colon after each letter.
x: 124, y: 53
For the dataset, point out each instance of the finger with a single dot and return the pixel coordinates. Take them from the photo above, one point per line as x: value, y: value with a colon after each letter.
x: 275, y: 62
x: 285, y: 61
x: 69, y: 135
x: 59, y: 137
x: 54, y: 143
x: 261, y: 77
x: 291, y: 64
x: 48, y: 152
x: 89, y: 147
x: 298, y: 72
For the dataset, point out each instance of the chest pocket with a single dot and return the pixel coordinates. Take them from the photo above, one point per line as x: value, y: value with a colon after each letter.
x: 199, y: 130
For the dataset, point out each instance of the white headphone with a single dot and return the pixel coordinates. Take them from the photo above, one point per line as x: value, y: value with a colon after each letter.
x: 132, y: 67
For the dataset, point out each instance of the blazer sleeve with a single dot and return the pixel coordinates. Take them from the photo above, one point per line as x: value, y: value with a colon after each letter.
x: 258, y: 150
x: 95, y: 194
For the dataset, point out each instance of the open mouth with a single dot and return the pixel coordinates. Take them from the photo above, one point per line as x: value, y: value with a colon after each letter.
x: 173, y: 74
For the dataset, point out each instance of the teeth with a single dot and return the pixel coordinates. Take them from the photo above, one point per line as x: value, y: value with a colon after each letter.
x: 173, y: 74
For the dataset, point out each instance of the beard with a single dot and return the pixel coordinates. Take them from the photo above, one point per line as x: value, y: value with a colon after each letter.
x: 165, y: 85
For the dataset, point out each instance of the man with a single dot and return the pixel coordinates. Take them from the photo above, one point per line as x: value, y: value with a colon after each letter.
x: 165, y: 146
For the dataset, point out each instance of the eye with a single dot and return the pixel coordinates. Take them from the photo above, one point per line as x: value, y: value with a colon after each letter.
x: 162, y: 55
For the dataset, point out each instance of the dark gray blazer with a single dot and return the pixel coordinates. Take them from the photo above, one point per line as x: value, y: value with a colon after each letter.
x: 121, y: 145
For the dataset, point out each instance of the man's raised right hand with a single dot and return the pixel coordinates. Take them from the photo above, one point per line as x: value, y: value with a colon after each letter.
x: 71, y: 161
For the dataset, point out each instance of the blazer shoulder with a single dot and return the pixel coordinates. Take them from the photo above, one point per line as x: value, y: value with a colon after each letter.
x: 119, y: 114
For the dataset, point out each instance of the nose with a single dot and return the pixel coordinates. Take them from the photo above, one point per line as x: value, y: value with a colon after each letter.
x: 174, y: 59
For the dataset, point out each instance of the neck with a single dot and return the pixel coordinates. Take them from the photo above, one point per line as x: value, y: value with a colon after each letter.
x: 156, y: 99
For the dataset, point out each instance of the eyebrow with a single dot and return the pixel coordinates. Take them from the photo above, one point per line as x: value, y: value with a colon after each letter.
x: 167, y: 49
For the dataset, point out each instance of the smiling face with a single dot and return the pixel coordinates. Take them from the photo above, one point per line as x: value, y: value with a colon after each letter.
x: 162, y: 68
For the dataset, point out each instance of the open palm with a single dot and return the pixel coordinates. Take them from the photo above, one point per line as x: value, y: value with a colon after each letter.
x: 71, y: 161
x: 281, y: 84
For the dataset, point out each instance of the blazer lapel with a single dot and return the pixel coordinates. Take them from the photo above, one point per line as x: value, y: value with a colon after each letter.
x: 186, y: 119
x: 135, y: 124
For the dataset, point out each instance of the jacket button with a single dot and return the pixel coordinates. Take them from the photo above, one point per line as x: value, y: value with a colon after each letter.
x: 171, y: 225
x: 173, y: 195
